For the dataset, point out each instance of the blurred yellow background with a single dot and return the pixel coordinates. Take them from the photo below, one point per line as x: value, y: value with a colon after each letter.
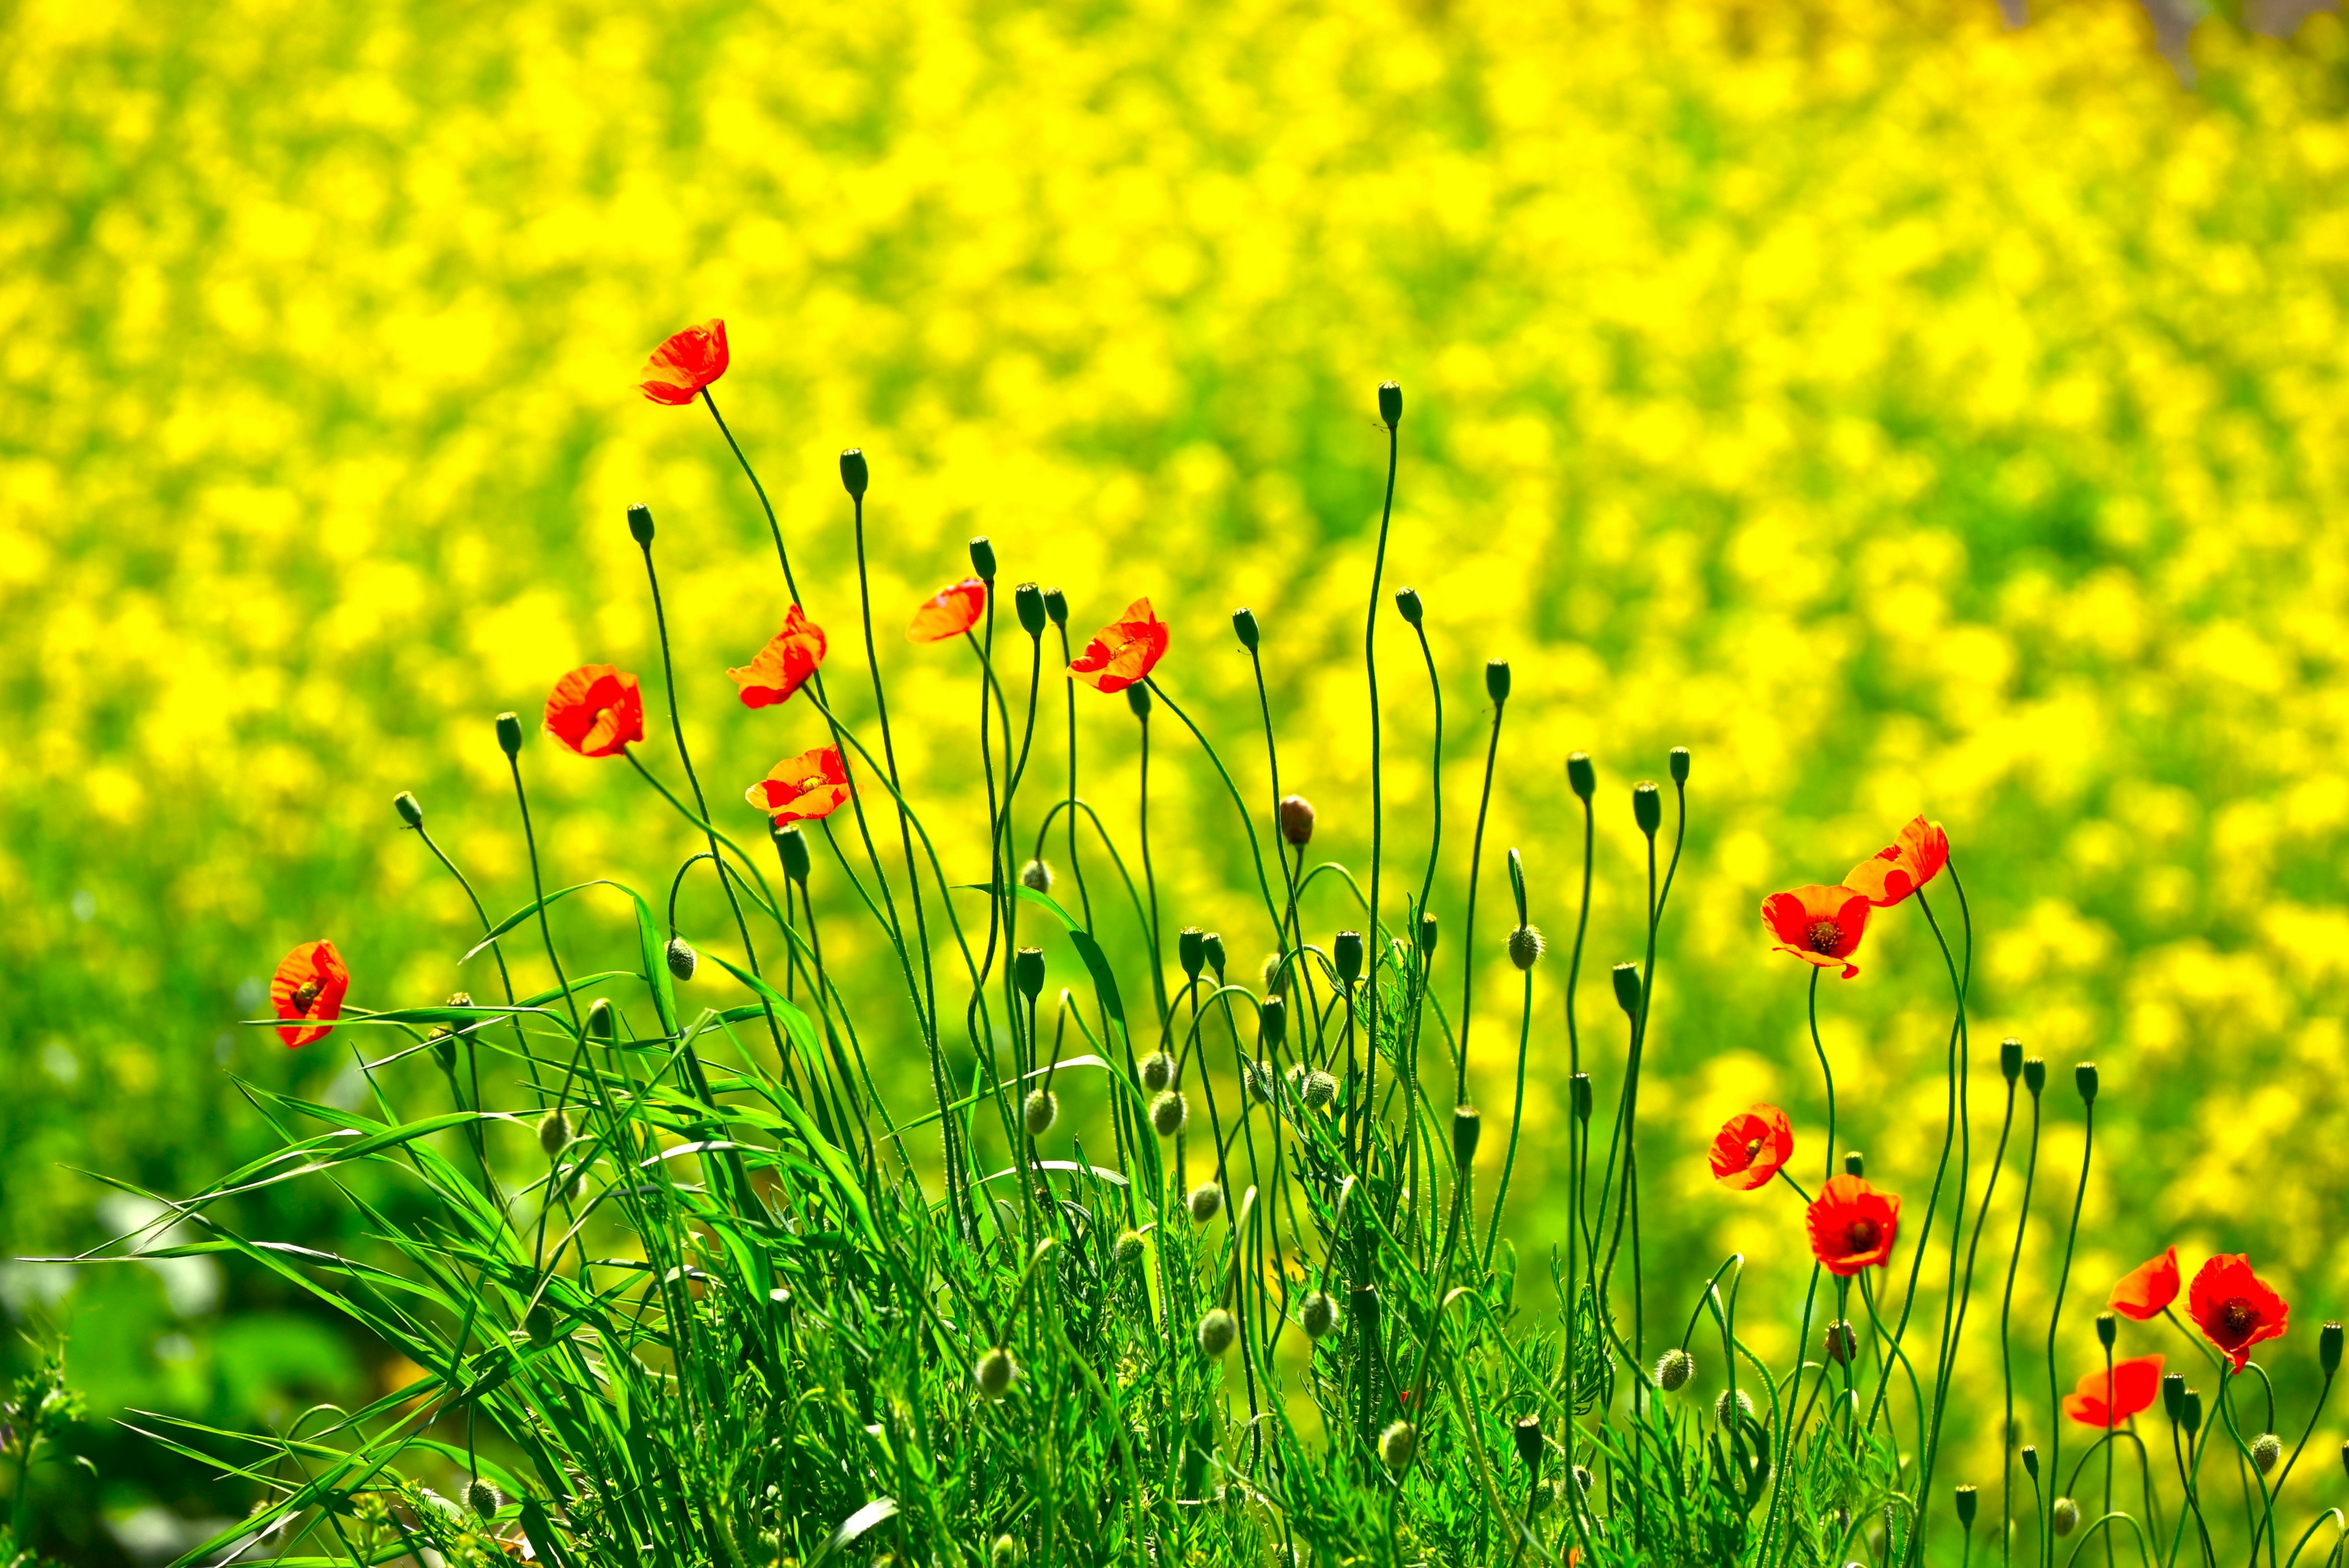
x: 1905, y: 411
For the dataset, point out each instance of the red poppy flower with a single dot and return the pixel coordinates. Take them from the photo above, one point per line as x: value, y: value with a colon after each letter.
x: 310, y: 984
x: 783, y: 665
x: 2147, y: 1290
x: 1124, y: 652
x: 949, y: 613
x: 1751, y: 1146
x: 1852, y: 1225
x: 1914, y: 857
x: 596, y: 710
x: 691, y: 360
x: 804, y: 788
x: 2135, y: 1386
x: 2234, y: 1307
x: 1819, y: 925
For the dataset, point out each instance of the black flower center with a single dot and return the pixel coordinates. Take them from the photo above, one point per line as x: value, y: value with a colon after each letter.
x: 2238, y: 1316
x: 1861, y: 1236
x: 305, y: 997
x: 1825, y: 935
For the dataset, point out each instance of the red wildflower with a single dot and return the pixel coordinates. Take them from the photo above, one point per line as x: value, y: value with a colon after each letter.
x: 803, y: 788
x: 596, y: 710
x: 2145, y: 1291
x: 1819, y: 925
x: 1914, y: 857
x: 1751, y: 1146
x: 783, y: 665
x: 691, y: 360
x: 310, y: 984
x: 949, y: 613
x: 1124, y: 652
x: 2135, y: 1386
x: 2234, y: 1307
x: 1852, y: 1225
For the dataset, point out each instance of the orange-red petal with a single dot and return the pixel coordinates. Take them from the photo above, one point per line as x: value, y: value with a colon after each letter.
x: 1852, y: 1225
x: 802, y: 788
x: 949, y: 613
x: 596, y: 710
x: 1750, y: 1148
x: 1915, y: 857
x: 2147, y: 1290
x: 318, y: 968
x: 1820, y: 925
x: 1124, y: 652
x: 2135, y: 1384
x: 783, y: 665
x: 682, y: 365
x: 2234, y: 1308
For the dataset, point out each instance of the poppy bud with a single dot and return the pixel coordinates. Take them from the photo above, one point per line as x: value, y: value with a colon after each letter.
x: 1347, y: 950
x: 1840, y: 1343
x: 1581, y: 776
x: 538, y: 1327
x: 1582, y: 1480
x: 1036, y: 876
x: 409, y: 811
x: 640, y: 523
x: 994, y: 1372
x: 1673, y: 1370
x: 1408, y: 606
x: 854, y: 474
x: 982, y: 558
x: 791, y: 849
x: 2266, y: 1449
x: 1398, y: 1445
x: 1212, y: 945
x: 1855, y: 1163
x: 1028, y: 972
x: 2189, y: 1412
x: 1205, y: 1201
x: 1544, y: 1498
x: 2328, y: 1348
x: 2108, y: 1327
x: 509, y: 735
x: 482, y: 1497
x: 1137, y: 697
x: 1041, y: 1110
x: 1169, y: 1113
x: 2064, y: 1516
x: 1318, y: 1314
x: 601, y: 1025
x: 681, y: 959
x: 1157, y: 1071
x: 2173, y: 1394
x: 1028, y: 601
x: 1467, y: 1127
x: 1389, y: 404
x: 1528, y: 1433
x: 1191, y: 951
x: 2035, y: 1075
x: 1497, y: 679
x: 1427, y: 933
x: 2010, y: 1059
x: 1243, y: 627
x: 554, y: 1131
x: 1296, y: 817
x: 2083, y: 1079
x: 1680, y: 764
x: 1647, y: 807
x: 2030, y: 1460
x: 2344, y: 1455
x: 1580, y: 1085
x: 1966, y: 1504
x: 1128, y: 1251
x: 1259, y: 1078
x: 1217, y: 1331
x: 1006, y: 1551
x: 1321, y: 1090
x: 1272, y: 1022
x: 1056, y: 604
x: 1525, y: 946
x: 1735, y: 1405
x: 1627, y: 988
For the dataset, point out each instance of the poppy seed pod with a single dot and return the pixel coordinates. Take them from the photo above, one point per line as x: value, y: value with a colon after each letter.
x: 2030, y: 1460
x: 1467, y: 1127
x: 2189, y: 1412
x: 554, y: 1131
x: 409, y: 811
x: 2064, y: 1516
x: 2173, y: 1394
x: 1137, y: 697
x: 1408, y: 606
x: 2035, y: 1075
x: 682, y: 958
x: 510, y: 735
x: 2010, y: 1059
x: 982, y: 558
x: 2328, y: 1348
x: 1006, y: 1553
x: 2266, y: 1449
x: 640, y: 523
x: 1398, y: 1445
x: 1321, y: 1090
x: 1525, y: 946
x: 994, y: 1372
x: 2083, y: 1079
x: 1528, y: 1437
x: 1680, y: 764
x: 1036, y: 876
x: 1840, y: 1343
x: 1297, y: 820
x: 1157, y: 1071
x: 1855, y: 1163
x: 1191, y: 951
x: 1056, y: 605
x: 1211, y: 944
x: 1347, y: 953
x: 601, y: 1024
x: 855, y: 476
x: 1272, y: 1022
x: 1497, y: 679
x: 1205, y: 1201
x: 1579, y: 1087
x: 2107, y: 1329
x: 538, y: 1327
x: 1042, y: 1108
x: 1733, y: 1407
x: 1581, y: 776
x: 1217, y: 1329
x: 1318, y: 1314
x: 790, y: 848
x: 1627, y: 988
x: 1673, y: 1370
x: 482, y: 1497
x: 1169, y: 1113
x: 1028, y: 602
x: 1647, y: 807
x: 1128, y: 1250
x: 1389, y: 404
x: 1244, y: 628
x: 1968, y: 1502
x: 1028, y: 972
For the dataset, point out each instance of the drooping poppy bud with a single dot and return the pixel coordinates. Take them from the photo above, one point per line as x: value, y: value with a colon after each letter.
x: 1028, y: 602
x: 1582, y: 775
x: 1212, y: 945
x: 2010, y: 1059
x: 1627, y: 988
x: 510, y: 735
x: 538, y: 1327
x: 409, y: 811
x: 682, y: 958
x: 1137, y: 697
x: 1467, y: 1128
x: 1398, y: 1445
x: 2266, y: 1449
x: 602, y: 1024
x: 1041, y: 1109
x: 1408, y: 606
x: 2064, y: 1516
x: 1037, y: 876
x: 1322, y: 1090
x: 1243, y: 627
x: 1128, y: 1251
x: 1497, y: 679
x: 1680, y: 764
x: 982, y: 558
x: 554, y: 1132
x: 640, y: 523
x: 1028, y: 972
x: 1389, y: 404
x: 1526, y: 946
x: 1318, y: 1314
x: 1191, y: 951
x: 1841, y: 1343
x: 482, y: 1497
x: 1297, y: 820
x: 1217, y: 1331
x: 1157, y: 1071
x: 790, y: 848
x: 1528, y: 1434
x: 994, y: 1372
x: 2083, y: 1079
x: 1647, y: 807
x: 1007, y: 1552
x: 855, y: 476
x: 1205, y: 1201
x: 1170, y: 1112
x: 1673, y: 1370
x: 1346, y: 951
x: 1733, y: 1408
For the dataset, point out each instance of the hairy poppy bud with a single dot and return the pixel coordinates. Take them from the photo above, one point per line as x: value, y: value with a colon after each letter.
x: 554, y: 1131
x: 1647, y: 807
x: 1036, y: 876
x: 601, y: 1024
x: 1205, y: 1201
x: 790, y: 848
x: 409, y: 811
x: 1427, y: 934
x: 2010, y: 1059
x: 681, y: 959
x: 1528, y: 1433
x: 1128, y: 1251
x: 1544, y: 1497
x: 1408, y: 606
x: 1497, y: 679
x: 2035, y: 1075
x: 1347, y: 952
x: 1318, y: 1314
x: 482, y: 1497
x: 1582, y: 775
x: 640, y: 523
x: 1733, y: 1407
x: 1169, y: 1113
x: 1627, y: 988
x: 1191, y: 951
x: 1296, y: 817
x: 1581, y: 1088
x: 982, y: 558
x: 510, y: 735
x: 1680, y: 764
x: 2107, y: 1329
x: 2083, y: 1079
x: 1467, y: 1127
x: 1042, y: 1108
x: 1272, y: 1022
x: 1855, y: 1163
x: 1525, y: 946
x: 1056, y: 604
x: 1582, y: 1480
x: 1028, y: 602
x: 1006, y: 1553
x: 1840, y: 1343
x: 2266, y: 1449
x: 1137, y: 697
x: 2064, y: 1517
x: 1217, y: 1331
x: 1321, y: 1090
x: 2030, y: 1460
x: 853, y: 474
x: 2328, y: 1348
x: 1243, y: 627
x: 538, y: 1327
x: 2173, y: 1394
x: 1157, y: 1071
x: 1673, y: 1370
x: 1259, y: 1078
x: 994, y: 1371
x: 1398, y: 1445
x: 1389, y: 404
x: 1211, y: 945
x: 1966, y: 1504
x: 1028, y: 972
x: 2189, y: 1413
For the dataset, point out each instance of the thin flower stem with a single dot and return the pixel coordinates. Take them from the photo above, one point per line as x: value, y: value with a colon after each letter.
x: 2055, y: 1312
x: 1468, y: 918
x: 1516, y: 1120
x: 1378, y: 785
x: 2005, y: 1350
x: 1255, y: 852
x: 497, y: 951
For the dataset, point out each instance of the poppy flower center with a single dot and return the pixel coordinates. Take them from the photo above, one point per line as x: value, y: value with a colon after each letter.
x: 2238, y: 1316
x: 305, y: 997
x: 1825, y: 935
x: 1753, y: 1150
x: 1861, y: 1236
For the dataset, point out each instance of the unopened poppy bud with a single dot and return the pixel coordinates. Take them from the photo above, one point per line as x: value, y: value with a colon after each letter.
x: 1398, y: 1445
x: 1028, y: 602
x: 2344, y: 1455
x: 601, y: 1025
x: 1733, y: 1407
x: 1036, y: 876
x: 482, y: 1497
x: 1056, y: 604
x: 2083, y: 1079
x: 1137, y: 697
x: 1407, y: 605
x: 2190, y: 1414
x: 1041, y: 1110
x: 1627, y: 988
x: 1528, y: 1433
x: 682, y: 958
x: 409, y: 811
x: 1673, y: 1370
x: 1855, y: 1163
x: 1321, y: 1090
x: 1191, y: 951
x: 1318, y: 1314
x: 2107, y: 1329
x: 1261, y: 1079
x: 1205, y: 1201
x: 855, y: 476
x: 2266, y: 1449
x: 510, y: 735
x: 640, y: 523
x: 1243, y: 627
x: 1169, y: 1113
x: 1525, y: 946
x: 791, y: 849
x: 1582, y: 1480
x: 1427, y: 934
x: 2173, y: 1394
x: 1006, y: 1553
x: 1497, y: 679
x: 1647, y: 807
x: 1296, y: 817
x: 1128, y: 1251
x: 1211, y: 945
x: 1217, y: 1329
x: 2030, y: 1460
x: 1347, y: 953
x: 1840, y: 1343
x: 2328, y: 1348
x: 1967, y: 1504
x: 2064, y: 1517
x: 1272, y: 1022
x: 2035, y: 1075
x: 2010, y: 1059
x: 982, y: 558
x: 554, y: 1131
x: 1157, y: 1071
x: 994, y: 1371
x: 1680, y: 764
x: 1467, y: 1127
x: 1580, y: 1089
x: 1028, y: 972
x: 1582, y: 775
x: 1389, y: 404
x: 1545, y: 1496
x: 538, y: 1327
